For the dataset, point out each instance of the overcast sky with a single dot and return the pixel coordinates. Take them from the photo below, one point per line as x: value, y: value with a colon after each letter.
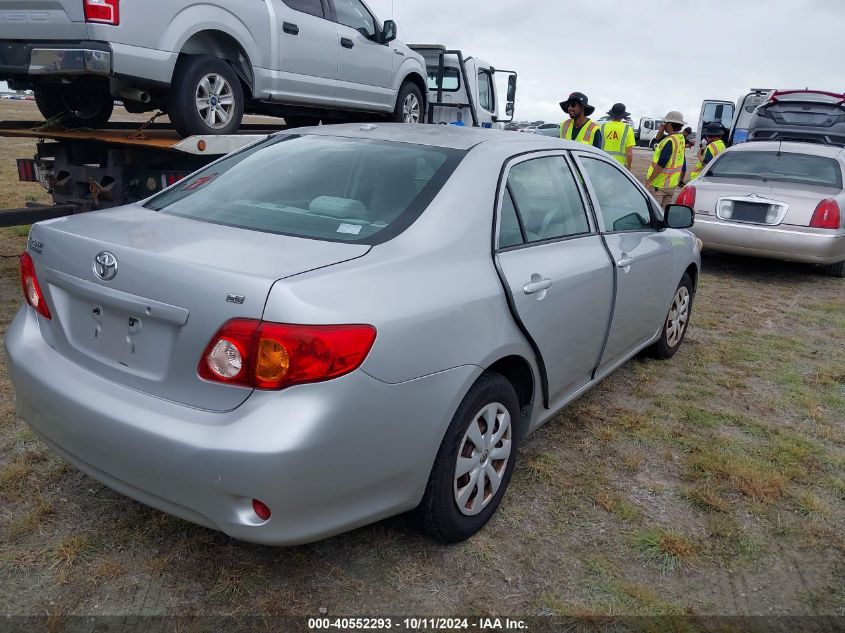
x: 653, y: 55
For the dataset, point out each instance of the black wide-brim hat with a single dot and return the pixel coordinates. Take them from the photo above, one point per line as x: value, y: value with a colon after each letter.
x: 619, y: 110
x: 581, y: 98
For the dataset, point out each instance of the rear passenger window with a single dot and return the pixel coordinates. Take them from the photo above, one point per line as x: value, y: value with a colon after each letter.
x: 509, y: 231
x: 546, y: 198
x: 623, y: 206
x: 314, y: 7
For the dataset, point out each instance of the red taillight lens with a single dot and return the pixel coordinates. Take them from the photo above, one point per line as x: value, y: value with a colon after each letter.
x: 277, y: 355
x: 687, y: 197
x: 262, y: 511
x: 102, y: 11
x: 826, y: 215
x: 31, y: 288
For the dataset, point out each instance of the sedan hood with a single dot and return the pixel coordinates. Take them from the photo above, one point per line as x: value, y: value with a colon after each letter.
x: 176, y: 282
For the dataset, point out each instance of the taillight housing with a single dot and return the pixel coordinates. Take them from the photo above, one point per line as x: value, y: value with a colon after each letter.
x: 272, y: 356
x: 827, y: 215
x: 102, y: 11
x: 31, y: 288
x: 687, y: 197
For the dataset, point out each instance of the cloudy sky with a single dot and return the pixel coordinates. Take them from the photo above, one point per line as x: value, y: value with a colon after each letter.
x: 653, y: 55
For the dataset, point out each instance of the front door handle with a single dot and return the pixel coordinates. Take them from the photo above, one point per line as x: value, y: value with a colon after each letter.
x: 346, y: 42
x: 537, y: 286
x: 624, y: 262
x: 288, y: 27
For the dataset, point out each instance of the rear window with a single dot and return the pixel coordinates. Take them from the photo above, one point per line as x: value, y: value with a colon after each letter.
x: 804, y: 114
x: 451, y: 80
x: 785, y: 167
x: 326, y: 188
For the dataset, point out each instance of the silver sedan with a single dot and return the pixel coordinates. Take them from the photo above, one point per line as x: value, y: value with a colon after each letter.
x: 772, y: 199
x: 342, y: 324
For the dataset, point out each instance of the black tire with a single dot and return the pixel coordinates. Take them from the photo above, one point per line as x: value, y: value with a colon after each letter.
x: 439, y: 512
x: 407, y: 92
x: 301, y: 121
x: 82, y: 104
x: 670, y: 341
x: 834, y: 270
x: 218, y: 118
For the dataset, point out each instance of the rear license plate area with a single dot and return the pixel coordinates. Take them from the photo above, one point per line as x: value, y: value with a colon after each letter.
x: 750, y: 212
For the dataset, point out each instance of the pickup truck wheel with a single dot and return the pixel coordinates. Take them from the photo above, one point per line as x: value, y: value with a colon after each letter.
x: 301, y: 121
x: 205, y: 97
x: 475, y: 462
x: 677, y: 321
x: 83, y: 105
x: 409, y: 105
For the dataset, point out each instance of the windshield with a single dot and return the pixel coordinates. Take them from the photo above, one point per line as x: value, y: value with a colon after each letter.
x: 785, y: 167
x: 320, y: 187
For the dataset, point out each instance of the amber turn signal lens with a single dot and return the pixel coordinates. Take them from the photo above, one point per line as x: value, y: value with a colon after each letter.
x: 273, y: 361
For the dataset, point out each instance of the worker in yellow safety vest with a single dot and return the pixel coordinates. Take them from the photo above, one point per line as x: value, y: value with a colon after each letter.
x: 715, y: 146
x: 618, y: 136
x: 668, y: 161
x: 579, y: 128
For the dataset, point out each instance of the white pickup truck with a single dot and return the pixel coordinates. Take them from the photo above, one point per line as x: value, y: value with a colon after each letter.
x: 206, y: 64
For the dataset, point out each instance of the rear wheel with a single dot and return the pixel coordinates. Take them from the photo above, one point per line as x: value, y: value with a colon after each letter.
x: 475, y: 462
x: 205, y: 97
x: 834, y: 270
x: 677, y: 321
x: 409, y: 105
x: 84, y: 104
x: 301, y: 121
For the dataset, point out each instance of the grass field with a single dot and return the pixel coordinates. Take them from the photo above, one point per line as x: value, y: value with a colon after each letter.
x: 710, y: 484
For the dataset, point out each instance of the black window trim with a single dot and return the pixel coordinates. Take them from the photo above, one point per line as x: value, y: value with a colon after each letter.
x: 657, y: 222
x: 436, y: 69
x: 323, y: 5
x: 518, y: 159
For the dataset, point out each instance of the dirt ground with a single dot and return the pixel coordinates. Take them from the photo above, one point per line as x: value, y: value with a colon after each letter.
x: 709, y: 484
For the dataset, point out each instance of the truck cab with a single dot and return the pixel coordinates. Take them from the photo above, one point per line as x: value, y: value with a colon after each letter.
x: 734, y: 117
x: 646, y: 131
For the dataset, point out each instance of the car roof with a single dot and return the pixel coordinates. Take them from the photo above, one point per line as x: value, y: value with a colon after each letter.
x: 446, y: 136
x: 791, y: 147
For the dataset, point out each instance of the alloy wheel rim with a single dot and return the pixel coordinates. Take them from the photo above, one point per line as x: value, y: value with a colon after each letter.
x: 676, y: 322
x: 215, y: 101
x: 482, y: 459
x: 411, y: 109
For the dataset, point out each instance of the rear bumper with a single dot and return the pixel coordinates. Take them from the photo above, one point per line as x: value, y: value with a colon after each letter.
x: 325, y: 458
x: 789, y: 243
x: 19, y: 60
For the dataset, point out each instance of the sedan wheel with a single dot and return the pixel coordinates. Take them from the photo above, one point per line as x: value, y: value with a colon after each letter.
x: 677, y: 321
x: 475, y: 462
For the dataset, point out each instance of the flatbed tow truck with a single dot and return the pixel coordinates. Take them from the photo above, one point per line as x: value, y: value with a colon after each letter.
x: 86, y: 170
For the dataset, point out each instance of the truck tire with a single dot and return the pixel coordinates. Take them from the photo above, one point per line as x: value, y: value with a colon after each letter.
x: 205, y: 96
x: 82, y: 104
x: 409, y: 105
x: 301, y: 121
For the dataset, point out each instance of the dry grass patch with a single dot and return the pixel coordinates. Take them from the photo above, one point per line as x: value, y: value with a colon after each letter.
x: 667, y: 549
x: 740, y: 473
x: 810, y: 504
x: 32, y: 520
x: 706, y: 497
x: 237, y: 582
x: 108, y: 569
x: 70, y: 551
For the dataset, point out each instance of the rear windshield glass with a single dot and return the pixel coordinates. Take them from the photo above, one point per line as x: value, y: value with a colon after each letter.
x: 451, y: 82
x: 809, y: 114
x: 799, y: 168
x: 327, y: 188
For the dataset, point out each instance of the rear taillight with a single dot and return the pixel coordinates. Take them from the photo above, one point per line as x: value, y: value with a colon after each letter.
x: 826, y: 215
x: 687, y: 197
x: 266, y: 355
x: 31, y: 288
x: 102, y: 11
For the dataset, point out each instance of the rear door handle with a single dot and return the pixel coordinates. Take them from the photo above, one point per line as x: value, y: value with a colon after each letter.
x: 624, y: 262
x: 346, y: 42
x: 537, y: 286
x: 287, y: 27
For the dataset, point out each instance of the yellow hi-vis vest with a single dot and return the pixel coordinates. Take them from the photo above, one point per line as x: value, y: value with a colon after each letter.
x: 614, y: 135
x: 716, y: 148
x: 671, y: 175
x: 585, y: 135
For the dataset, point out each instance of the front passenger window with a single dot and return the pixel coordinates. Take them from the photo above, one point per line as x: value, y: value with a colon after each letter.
x: 313, y: 7
x: 623, y: 206
x: 353, y: 14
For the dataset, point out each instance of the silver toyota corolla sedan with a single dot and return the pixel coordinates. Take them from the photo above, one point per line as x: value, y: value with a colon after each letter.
x: 776, y: 200
x: 339, y: 325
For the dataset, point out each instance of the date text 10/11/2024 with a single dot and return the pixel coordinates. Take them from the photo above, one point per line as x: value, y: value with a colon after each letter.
x: 415, y: 624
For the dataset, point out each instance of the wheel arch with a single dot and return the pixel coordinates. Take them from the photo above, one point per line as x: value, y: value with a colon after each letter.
x: 415, y: 78
x: 224, y: 46
x: 517, y: 370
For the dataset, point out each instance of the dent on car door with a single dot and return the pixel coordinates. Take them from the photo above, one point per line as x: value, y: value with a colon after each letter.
x: 556, y: 269
x: 641, y: 253
x: 308, y: 52
x: 365, y: 69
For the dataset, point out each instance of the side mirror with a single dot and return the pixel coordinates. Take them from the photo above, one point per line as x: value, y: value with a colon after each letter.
x: 388, y: 31
x: 679, y: 216
x: 511, y: 88
x: 509, y: 108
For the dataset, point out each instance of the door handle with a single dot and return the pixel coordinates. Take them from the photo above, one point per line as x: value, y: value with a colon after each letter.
x: 346, y: 42
x: 624, y: 262
x: 537, y: 286
x: 287, y: 27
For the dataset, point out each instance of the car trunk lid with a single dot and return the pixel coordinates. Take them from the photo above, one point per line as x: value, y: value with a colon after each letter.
x: 33, y: 20
x: 176, y: 282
